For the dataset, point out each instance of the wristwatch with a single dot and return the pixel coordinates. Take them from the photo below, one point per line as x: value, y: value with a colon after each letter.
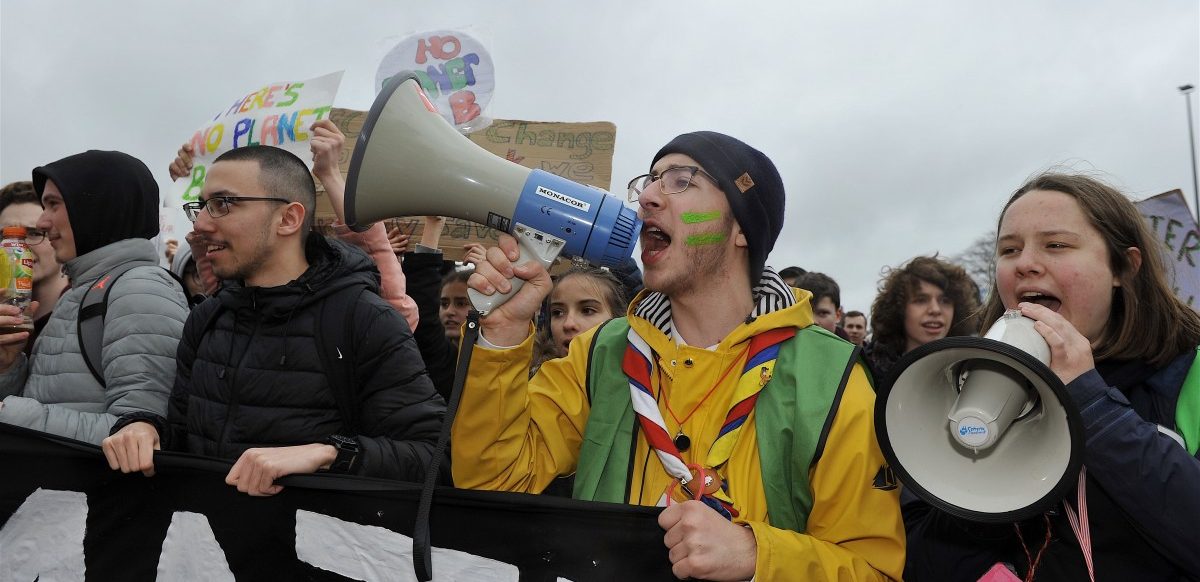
x: 347, y: 453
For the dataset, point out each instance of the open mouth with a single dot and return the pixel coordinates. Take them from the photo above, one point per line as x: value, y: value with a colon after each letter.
x: 1048, y: 301
x: 654, y: 240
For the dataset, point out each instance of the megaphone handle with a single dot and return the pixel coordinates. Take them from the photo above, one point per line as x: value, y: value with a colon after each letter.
x: 534, y: 245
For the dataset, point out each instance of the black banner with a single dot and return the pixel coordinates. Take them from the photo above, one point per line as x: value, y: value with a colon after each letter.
x: 186, y: 523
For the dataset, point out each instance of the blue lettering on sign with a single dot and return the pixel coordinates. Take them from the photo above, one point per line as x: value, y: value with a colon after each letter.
x: 966, y: 430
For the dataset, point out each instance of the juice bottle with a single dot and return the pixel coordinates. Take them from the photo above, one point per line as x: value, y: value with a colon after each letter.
x: 19, y: 288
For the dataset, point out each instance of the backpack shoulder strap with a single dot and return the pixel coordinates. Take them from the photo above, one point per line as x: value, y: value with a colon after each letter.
x: 1187, y: 410
x: 90, y: 322
x: 192, y: 300
x: 335, y: 337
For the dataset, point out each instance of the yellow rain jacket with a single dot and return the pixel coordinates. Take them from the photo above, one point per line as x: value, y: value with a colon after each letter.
x: 513, y: 433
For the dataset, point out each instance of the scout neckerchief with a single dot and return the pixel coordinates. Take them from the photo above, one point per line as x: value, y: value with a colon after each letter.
x: 639, y: 365
x: 771, y: 294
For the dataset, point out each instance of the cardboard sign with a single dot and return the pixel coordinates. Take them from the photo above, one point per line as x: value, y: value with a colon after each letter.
x: 1173, y: 224
x: 577, y: 151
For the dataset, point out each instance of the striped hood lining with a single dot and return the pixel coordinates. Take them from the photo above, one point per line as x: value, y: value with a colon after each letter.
x: 770, y: 294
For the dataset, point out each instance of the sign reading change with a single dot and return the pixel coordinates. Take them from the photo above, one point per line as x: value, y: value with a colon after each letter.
x: 581, y: 152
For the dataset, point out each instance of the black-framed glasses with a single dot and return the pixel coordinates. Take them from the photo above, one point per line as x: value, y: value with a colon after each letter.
x: 219, y: 206
x: 674, y: 180
x: 34, y: 236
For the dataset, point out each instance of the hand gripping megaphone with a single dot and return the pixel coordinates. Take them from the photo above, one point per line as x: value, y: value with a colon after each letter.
x: 409, y: 161
x: 980, y: 427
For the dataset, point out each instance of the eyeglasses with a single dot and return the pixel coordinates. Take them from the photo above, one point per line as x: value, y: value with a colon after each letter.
x: 674, y: 181
x: 34, y: 236
x: 219, y: 206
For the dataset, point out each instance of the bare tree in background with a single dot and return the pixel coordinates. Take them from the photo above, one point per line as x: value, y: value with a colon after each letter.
x: 979, y: 260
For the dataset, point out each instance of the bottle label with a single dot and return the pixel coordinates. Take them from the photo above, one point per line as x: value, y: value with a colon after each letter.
x: 18, y: 288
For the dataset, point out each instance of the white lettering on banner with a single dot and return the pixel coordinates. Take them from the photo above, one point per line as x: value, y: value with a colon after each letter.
x: 563, y: 198
x: 369, y: 553
x: 43, y: 539
x: 191, y: 551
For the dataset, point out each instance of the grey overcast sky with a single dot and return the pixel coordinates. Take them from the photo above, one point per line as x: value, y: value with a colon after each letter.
x: 899, y: 127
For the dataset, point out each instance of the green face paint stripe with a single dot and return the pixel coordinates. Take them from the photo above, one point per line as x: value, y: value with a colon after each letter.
x: 697, y: 217
x: 707, y: 238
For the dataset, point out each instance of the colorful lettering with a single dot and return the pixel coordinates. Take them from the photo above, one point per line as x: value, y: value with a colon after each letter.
x: 292, y: 90
x: 459, y: 71
x: 427, y: 83
x: 698, y: 217
x: 198, y: 143
x: 463, y: 105
x: 441, y: 80
x: 287, y: 127
x: 192, y: 193
x: 270, y: 125
x: 436, y: 46
x: 268, y: 99
x: 213, y: 137
x: 300, y: 135
x: 705, y: 238
x: 243, y: 127
x: 250, y: 134
x: 247, y: 103
x: 235, y: 107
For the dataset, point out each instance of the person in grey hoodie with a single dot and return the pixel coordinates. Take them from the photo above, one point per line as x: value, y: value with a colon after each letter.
x: 100, y: 212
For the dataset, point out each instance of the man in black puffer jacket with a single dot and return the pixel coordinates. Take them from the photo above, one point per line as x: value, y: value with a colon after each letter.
x: 256, y: 381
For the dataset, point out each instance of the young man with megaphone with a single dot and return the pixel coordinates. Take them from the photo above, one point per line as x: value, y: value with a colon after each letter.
x: 716, y: 396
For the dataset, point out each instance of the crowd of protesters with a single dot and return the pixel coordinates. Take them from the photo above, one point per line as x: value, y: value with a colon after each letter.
x: 739, y: 398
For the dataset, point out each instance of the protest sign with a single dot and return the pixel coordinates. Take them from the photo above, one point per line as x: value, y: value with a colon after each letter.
x: 577, y: 151
x: 1173, y: 225
x: 64, y: 515
x: 276, y: 114
x: 453, y: 68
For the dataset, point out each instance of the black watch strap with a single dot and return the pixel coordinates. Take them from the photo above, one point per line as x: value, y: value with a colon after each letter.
x: 347, y: 453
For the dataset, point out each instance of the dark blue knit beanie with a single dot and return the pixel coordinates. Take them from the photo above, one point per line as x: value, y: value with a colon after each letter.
x: 750, y: 182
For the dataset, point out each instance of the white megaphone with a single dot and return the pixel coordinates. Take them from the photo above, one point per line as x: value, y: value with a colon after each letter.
x: 408, y: 161
x: 980, y: 427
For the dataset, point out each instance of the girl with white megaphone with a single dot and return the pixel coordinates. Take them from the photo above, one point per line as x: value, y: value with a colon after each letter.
x: 1074, y: 254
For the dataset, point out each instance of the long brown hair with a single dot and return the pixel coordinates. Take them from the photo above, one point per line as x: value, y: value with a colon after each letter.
x: 1147, y: 321
x: 899, y: 285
